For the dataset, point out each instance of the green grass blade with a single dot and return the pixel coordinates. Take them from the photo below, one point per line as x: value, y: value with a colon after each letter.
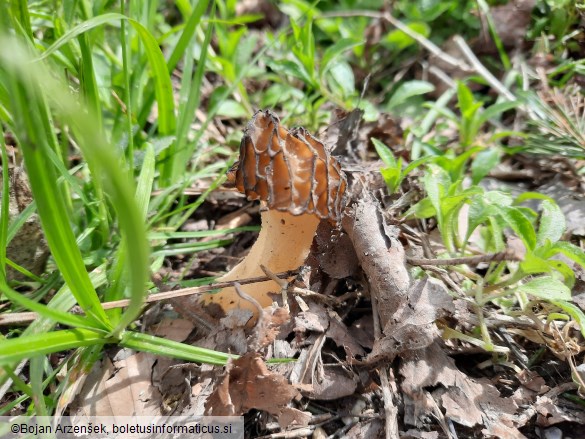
x: 105, y: 164
x: 17, y: 349
x: 145, y: 181
x: 63, y: 301
x: 176, y: 54
x: 163, y: 89
x: 128, y: 91
x: 21, y: 17
x: 36, y: 369
x: 169, y: 348
x: 57, y: 316
x: 30, y: 109
x: 200, y: 233
x: 4, y: 208
x: 180, y: 154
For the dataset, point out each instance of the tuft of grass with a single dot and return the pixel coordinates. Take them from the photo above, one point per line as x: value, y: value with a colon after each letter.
x: 559, y: 123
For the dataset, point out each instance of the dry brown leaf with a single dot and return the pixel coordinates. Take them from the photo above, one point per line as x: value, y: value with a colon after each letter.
x: 334, y: 252
x: 532, y: 381
x: 120, y: 389
x: 291, y: 417
x: 550, y: 413
x: 415, y: 434
x: 249, y: 384
x: 332, y: 383
x: 466, y: 401
x: 314, y: 320
x: 502, y: 431
x: 269, y: 326
x: 174, y: 329
x: 339, y: 333
x: 366, y: 430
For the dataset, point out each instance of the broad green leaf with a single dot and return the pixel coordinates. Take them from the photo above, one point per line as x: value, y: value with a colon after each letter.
x: 342, y: 74
x: 232, y: 109
x: 574, y: 311
x: 532, y: 196
x: 516, y: 220
x: 571, y: 251
x: 454, y: 164
x: 497, y: 234
x: 498, y: 198
x: 391, y: 178
x: 292, y: 68
x: 334, y: 51
x: 407, y: 90
x: 495, y: 110
x: 465, y: 100
x: 432, y: 181
x: 532, y: 264
x: 423, y: 209
x: 539, y: 261
x: 547, y: 288
x: 385, y: 153
x: 552, y: 223
x: 415, y: 164
x: 483, y: 163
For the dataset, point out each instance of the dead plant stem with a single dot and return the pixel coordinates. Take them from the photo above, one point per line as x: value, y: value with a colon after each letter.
x: 27, y: 317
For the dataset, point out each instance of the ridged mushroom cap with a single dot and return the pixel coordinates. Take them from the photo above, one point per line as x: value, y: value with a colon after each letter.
x: 291, y: 171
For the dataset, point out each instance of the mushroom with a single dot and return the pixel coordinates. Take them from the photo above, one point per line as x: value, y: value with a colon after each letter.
x: 299, y: 184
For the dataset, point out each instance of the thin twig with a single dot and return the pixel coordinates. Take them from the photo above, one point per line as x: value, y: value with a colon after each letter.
x: 467, y: 260
x: 26, y: 317
x: 425, y: 42
x: 480, y: 68
x: 390, y: 410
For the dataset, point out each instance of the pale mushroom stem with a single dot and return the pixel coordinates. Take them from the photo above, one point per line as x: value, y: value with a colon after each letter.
x: 283, y: 244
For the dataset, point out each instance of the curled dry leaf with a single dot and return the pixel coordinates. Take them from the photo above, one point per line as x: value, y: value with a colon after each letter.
x: 466, y: 401
x: 249, y: 384
x: 300, y: 183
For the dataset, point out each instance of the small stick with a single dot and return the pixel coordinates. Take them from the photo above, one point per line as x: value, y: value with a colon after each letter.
x: 480, y: 68
x: 26, y: 317
x: 468, y: 260
x: 425, y: 42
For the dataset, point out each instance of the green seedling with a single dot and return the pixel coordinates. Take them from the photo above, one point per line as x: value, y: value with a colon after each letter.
x: 393, y: 173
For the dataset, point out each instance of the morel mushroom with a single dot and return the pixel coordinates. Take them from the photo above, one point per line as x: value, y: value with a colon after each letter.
x: 300, y: 184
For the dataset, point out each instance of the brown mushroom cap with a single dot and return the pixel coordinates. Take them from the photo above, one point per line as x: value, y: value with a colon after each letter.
x: 291, y: 171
